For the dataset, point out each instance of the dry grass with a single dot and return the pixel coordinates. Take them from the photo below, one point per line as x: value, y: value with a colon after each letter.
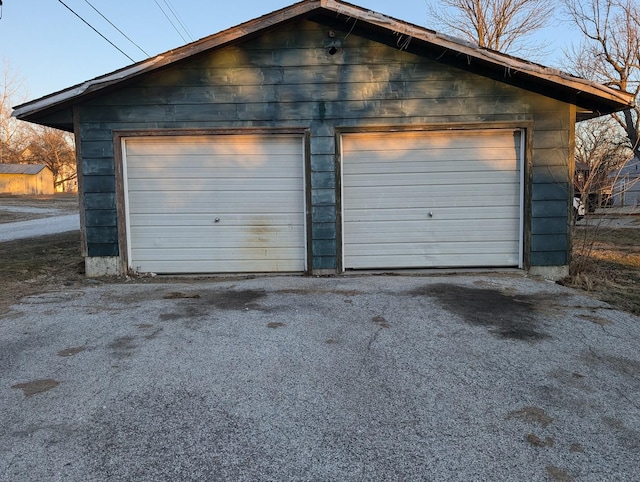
x: 606, y: 262
x: 34, y: 265
x: 46, y: 263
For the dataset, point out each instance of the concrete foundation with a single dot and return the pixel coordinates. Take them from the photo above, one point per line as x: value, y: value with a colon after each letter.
x: 552, y: 273
x: 103, y: 266
x: 323, y: 272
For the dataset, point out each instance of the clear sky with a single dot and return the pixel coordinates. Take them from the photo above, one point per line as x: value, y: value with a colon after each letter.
x: 52, y: 49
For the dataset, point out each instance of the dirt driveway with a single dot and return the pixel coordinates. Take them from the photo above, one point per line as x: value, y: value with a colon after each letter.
x: 281, y: 378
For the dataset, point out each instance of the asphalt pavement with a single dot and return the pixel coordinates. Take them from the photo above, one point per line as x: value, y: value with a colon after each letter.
x: 475, y: 377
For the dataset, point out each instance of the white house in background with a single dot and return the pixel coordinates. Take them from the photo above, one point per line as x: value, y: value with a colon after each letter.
x: 626, y: 185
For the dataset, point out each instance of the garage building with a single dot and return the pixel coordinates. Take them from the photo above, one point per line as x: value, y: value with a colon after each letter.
x: 324, y: 138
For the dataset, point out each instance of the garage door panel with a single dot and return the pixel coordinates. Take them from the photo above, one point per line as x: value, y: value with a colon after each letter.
x: 220, y: 254
x: 431, y: 199
x: 240, y: 208
x: 461, y: 212
x: 454, y: 157
x: 382, y: 165
x: 184, y: 156
x: 208, y: 219
x: 405, y: 261
x: 219, y: 185
x: 428, y: 249
x: 425, y: 141
x: 437, y: 179
x: 188, y: 172
x: 230, y: 236
x: 217, y: 265
x: 208, y: 202
x: 211, y: 146
x: 446, y: 232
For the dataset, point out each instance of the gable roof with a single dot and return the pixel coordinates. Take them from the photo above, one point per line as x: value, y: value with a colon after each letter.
x: 591, y: 98
x: 30, y: 169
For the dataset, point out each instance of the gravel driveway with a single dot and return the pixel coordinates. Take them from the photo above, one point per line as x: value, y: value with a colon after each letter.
x: 464, y: 378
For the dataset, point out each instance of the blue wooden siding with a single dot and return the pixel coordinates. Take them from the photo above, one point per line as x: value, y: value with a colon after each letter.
x: 287, y: 78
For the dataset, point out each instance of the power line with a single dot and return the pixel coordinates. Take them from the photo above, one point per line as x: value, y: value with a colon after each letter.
x: 171, y: 21
x: 121, y: 32
x: 177, y: 17
x: 96, y: 31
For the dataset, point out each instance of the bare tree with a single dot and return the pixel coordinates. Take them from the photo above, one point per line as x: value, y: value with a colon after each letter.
x: 609, y: 52
x: 21, y: 143
x: 503, y: 25
x: 55, y: 149
x: 12, y: 136
x: 601, y: 149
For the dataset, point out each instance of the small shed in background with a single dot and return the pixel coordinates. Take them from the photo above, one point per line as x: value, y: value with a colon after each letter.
x: 26, y: 179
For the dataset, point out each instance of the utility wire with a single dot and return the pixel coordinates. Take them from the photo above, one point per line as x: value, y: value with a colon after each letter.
x: 96, y: 31
x: 171, y: 21
x: 177, y: 17
x: 121, y: 32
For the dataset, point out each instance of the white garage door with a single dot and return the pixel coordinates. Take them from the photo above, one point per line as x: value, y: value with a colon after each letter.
x: 432, y: 199
x: 215, y: 204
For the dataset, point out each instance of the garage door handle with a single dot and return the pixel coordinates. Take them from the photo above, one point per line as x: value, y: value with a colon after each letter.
x: 431, y: 214
x: 217, y: 220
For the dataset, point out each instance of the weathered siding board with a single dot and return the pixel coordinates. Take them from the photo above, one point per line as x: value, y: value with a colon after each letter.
x: 305, y: 110
x: 551, y: 139
x: 323, y: 197
x: 324, y: 231
x: 549, y: 258
x: 127, y: 113
x: 324, y: 163
x: 101, y: 148
x: 324, y: 247
x: 93, y: 200
x: 547, y: 242
x: 323, y: 180
x: 551, y: 225
x: 356, y: 87
x: 104, y: 235
x: 97, y: 249
x: 550, y: 191
x: 325, y: 145
x: 323, y: 214
x: 324, y: 262
x: 286, y: 78
x: 552, y: 173
x: 101, y: 218
x: 97, y: 166
x: 99, y: 184
x: 550, y: 209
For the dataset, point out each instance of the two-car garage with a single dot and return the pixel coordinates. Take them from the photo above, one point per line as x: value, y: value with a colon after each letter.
x: 236, y: 203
